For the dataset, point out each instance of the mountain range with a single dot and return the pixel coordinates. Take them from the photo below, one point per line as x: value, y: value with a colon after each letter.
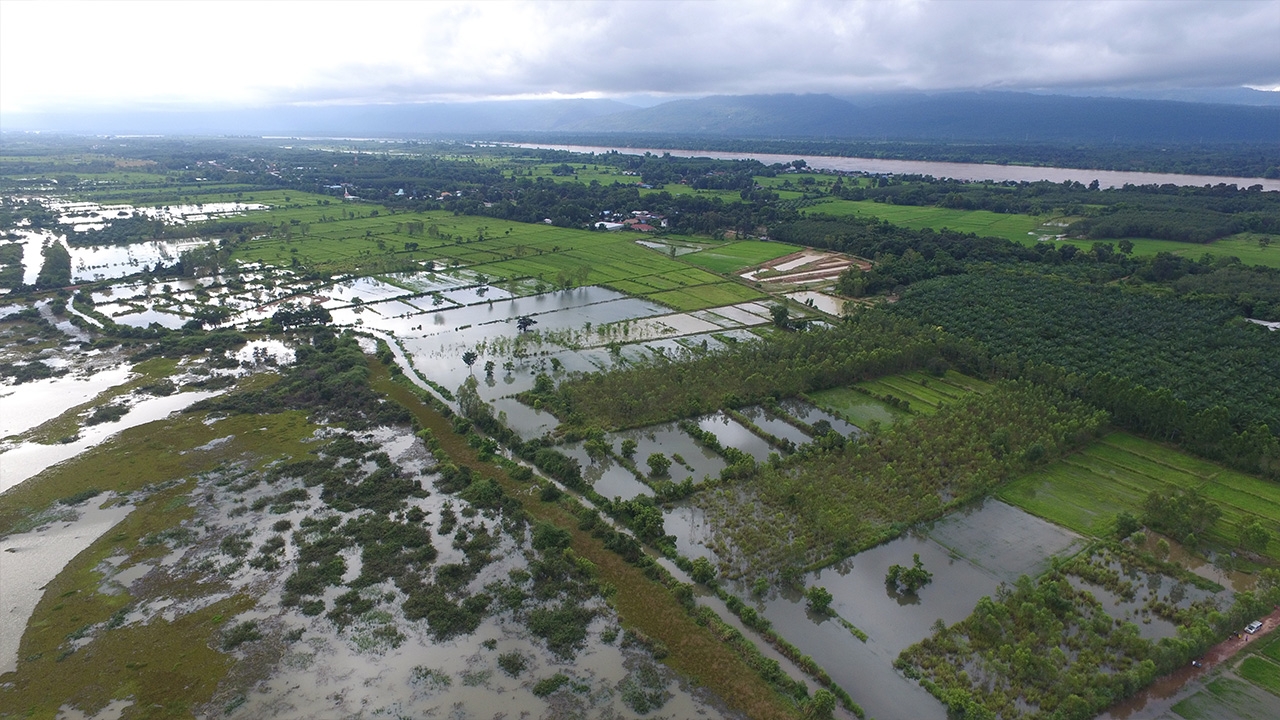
x: 954, y: 116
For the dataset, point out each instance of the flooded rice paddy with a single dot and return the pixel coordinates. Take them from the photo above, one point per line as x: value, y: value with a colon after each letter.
x: 970, y: 554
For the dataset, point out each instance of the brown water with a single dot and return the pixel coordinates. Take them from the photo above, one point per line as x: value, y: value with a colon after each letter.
x: 957, y: 171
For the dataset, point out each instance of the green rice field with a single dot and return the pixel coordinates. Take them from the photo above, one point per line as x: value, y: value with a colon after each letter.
x: 1086, y: 490
x: 860, y: 409
x: 1228, y: 699
x: 1019, y: 228
x: 1261, y: 672
x: 923, y: 392
x: 1027, y: 230
x: 340, y: 237
x: 1244, y: 246
x: 736, y: 256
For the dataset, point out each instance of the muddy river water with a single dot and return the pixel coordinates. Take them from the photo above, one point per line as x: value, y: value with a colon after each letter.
x: 957, y: 171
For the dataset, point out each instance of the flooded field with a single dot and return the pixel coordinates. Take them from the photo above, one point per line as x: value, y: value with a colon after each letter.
x: 970, y: 553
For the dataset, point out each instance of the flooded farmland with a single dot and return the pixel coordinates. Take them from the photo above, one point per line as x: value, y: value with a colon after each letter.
x: 345, y: 568
x: 968, y: 561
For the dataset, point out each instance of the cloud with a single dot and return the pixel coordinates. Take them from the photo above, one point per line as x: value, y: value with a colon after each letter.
x: 123, y: 54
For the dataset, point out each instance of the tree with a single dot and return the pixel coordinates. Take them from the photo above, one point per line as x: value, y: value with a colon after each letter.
x: 489, y: 365
x: 818, y: 599
x: 659, y: 464
x: 469, y: 357
x: 821, y: 706
x: 1126, y: 525
x: 1181, y: 515
x: 908, y: 580
x: 781, y: 315
x: 1126, y: 246
x: 703, y: 571
x: 628, y: 449
x: 524, y: 322
x: 1255, y: 537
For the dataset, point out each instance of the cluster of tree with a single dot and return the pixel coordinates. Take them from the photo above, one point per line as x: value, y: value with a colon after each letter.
x: 329, y: 376
x: 1044, y: 649
x: 1192, y: 350
x: 671, y: 387
x: 824, y: 503
x: 28, y: 213
x: 122, y: 231
x: 1186, y: 516
x: 56, y: 270
x: 11, y: 271
x: 292, y: 315
x: 908, y: 580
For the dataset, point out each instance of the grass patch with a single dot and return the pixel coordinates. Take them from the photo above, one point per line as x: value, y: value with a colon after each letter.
x: 153, y: 453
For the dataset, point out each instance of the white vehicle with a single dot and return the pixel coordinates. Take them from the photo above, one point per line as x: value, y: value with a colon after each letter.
x: 1253, y: 627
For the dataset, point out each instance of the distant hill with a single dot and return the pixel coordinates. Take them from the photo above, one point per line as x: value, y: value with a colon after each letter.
x: 986, y: 117
x: 399, y: 120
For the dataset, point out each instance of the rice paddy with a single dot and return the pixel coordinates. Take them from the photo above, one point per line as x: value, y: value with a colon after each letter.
x: 1085, y: 491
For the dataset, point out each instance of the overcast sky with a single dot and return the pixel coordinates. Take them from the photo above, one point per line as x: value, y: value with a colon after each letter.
x: 88, y: 56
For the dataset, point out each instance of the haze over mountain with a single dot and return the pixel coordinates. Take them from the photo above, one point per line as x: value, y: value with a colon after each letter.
x: 968, y: 116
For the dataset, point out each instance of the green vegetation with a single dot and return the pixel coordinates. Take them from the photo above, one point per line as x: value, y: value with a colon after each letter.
x: 736, y: 256
x: 821, y: 505
x: 1047, y: 649
x: 1261, y: 672
x: 920, y: 392
x: 1167, y: 367
x: 1015, y: 227
x: 860, y: 408
x: 1009, y: 356
x: 1084, y: 491
x: 908, y: 580
x: 788, y: 364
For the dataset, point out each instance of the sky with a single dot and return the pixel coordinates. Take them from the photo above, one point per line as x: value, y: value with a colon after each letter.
x: 89, y: 57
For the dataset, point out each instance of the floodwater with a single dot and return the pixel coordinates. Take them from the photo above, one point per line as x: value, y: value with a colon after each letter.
x: 101, y: 262
x: 957, y: 171
x: 29, y: 459
x: 147, y: 318
x: 732, y: 433
x: 669, y: 440
x: 775, y: 425
x: 821, y: 301
x: 31, y: 560
x: 25, y: 406
x: 688, y: 524
x: 605, y: 475
x: 970, y: 553
x: 811, y: 414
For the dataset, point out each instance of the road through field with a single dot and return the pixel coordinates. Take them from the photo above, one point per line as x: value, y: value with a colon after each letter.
x: 1164, y: 692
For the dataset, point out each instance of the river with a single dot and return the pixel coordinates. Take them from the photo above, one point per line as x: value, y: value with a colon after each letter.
x: 957, y: 171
